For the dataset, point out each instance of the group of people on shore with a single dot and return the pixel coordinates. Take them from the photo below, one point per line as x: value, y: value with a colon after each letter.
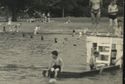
x: 113, y: 10
x: 46, y: 17
x: 10, y: 27
x: 96, y: 6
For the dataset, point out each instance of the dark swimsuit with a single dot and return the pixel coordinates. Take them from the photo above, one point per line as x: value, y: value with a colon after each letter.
x: 95, y: 11
x: 57, y: 66
x: 52, y: 74
x: 113, y: 16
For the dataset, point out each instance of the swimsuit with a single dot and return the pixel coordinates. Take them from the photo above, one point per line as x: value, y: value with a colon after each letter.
x: 95, y: 11
x: 113, y: 9
x: 57, y: 67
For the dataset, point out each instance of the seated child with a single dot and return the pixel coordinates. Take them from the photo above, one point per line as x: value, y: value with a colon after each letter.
x: 55, y: 65
x: 92, y: 61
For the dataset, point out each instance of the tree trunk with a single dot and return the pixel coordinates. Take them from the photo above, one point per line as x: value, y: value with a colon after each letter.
x: 63, y: 12
x: 14, y: 13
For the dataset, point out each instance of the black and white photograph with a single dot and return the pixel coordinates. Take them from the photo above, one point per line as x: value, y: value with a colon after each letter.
x: 61, y: 41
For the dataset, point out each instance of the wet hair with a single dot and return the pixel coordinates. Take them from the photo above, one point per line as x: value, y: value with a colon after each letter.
x: 55, y: 53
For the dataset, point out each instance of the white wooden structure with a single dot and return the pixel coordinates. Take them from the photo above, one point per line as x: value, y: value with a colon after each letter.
x: 109, y: 48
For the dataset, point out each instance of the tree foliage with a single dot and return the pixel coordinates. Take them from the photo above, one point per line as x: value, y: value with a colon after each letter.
x: 57, y: 8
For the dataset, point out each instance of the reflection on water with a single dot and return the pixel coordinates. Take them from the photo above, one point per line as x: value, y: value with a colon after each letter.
x: 35, y: 76
x: 105, y: 78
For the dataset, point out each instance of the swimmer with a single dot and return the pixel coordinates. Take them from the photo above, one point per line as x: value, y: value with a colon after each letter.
x: 80, y: 34
x: 36, y: 29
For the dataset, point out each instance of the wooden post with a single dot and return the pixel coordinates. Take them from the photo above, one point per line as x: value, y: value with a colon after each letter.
x: 63, y: 12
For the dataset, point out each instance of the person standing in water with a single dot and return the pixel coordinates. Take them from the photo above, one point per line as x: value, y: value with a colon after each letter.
x: 37, y: 28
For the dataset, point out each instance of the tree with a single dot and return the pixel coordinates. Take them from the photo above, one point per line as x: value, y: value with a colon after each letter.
x: 55, y: 7
x: 14, y: 6
x: 66, y: 6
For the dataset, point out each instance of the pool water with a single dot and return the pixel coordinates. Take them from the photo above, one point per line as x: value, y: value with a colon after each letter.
x: 35, y: 77
x: 26, y: 51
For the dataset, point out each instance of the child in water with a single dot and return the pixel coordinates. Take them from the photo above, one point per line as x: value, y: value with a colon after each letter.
x: 37, y: 28
x: 92, y: 61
